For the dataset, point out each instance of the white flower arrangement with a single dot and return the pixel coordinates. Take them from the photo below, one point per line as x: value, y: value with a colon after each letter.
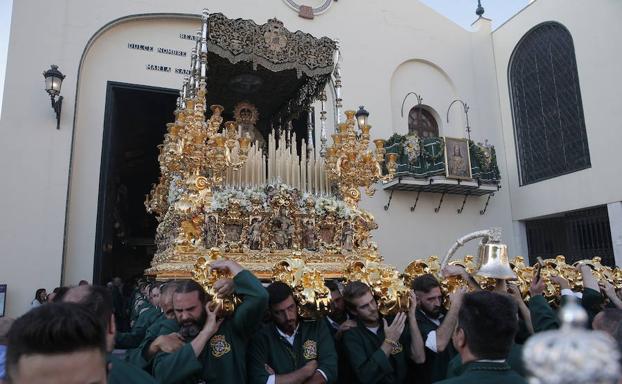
x: 257, y: 194
x: 323, y: 204
x: 222, y: 198
x: 326, y: 204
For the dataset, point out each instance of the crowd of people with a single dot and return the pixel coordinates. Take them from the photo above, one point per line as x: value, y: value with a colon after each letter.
x: 179, y: 335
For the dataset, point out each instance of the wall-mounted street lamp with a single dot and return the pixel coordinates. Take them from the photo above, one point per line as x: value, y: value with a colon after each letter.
x: 53, y: 82
x: 361, y: 116
x: 479, y: 11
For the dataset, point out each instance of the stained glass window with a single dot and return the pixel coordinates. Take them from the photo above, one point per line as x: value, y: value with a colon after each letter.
x: 549, y: 126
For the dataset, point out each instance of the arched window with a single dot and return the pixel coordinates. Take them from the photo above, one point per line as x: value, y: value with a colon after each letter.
x: 420, y: 120
x: 549, y: 126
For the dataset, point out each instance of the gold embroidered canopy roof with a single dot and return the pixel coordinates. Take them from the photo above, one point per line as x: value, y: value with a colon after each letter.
x: 270, y: 45
x: 279, y: 71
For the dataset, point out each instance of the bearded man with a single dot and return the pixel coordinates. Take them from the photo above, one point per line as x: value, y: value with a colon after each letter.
x: 214, y: 349
x: 436, y: 325
x: 290, y: 350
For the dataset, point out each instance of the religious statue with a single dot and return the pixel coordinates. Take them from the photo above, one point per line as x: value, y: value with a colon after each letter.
x: 309, y: 237
x: 190, y: 233
x: 211, y: 232
x: 283, y: 229
x: 347, y: 236
x: 246, y: 116
x: 254, y: 234
x: 233, y: 232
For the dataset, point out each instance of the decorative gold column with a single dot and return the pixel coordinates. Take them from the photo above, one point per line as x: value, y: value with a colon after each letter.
x: 193, y: 161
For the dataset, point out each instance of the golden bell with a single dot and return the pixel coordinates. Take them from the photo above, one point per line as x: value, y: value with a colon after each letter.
x: 494, y: 262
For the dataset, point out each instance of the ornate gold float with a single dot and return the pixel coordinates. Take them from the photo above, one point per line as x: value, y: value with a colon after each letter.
x: 266, y: 221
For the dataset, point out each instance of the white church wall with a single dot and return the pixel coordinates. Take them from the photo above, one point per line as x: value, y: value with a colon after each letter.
x: 464, y: 73
x: 596, y: 31
x: 432, y: 84
x: 109, y: 59
x: 378, y: 42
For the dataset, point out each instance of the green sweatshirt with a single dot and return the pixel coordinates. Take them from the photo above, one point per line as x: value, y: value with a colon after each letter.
x: 591, y: 301
x: 123, y: 372
x: 369, y: 363
x: 131, y: 339
x: 543, y: 317
x: 514, y: 360
x: 312, y: 342
x: 139, y: 307
x: 223, y: 360
x: 138, y: 356
x: 435, y: 366
x: 485, y: 373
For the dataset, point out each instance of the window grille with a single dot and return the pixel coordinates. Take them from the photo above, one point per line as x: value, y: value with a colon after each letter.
x: 420, y: 120
x: 578, y: 235
x: 549, y: 126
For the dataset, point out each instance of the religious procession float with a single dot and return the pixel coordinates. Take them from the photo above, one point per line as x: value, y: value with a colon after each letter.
x: 256, y: 189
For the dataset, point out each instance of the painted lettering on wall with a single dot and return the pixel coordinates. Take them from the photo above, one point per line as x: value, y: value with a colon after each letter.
x: 186, y: 36
x: 140, y: 47
x: 161, y: 68
x: 169, y: 51
x: 165, y: 51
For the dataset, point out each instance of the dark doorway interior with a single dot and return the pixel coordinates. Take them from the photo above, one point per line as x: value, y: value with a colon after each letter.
x: 134, y: 125
x: 578, y: 235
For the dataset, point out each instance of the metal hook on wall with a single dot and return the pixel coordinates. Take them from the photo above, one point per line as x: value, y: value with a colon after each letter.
x: 483, y: 211
x: 440, y: 203
x: 463, y: 203
x: 386, y: 207
x: 419, y: 100
x: 412, y: 209
x: 465, y: 107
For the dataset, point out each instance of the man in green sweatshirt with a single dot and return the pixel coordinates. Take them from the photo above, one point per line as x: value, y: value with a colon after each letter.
x: 487, y: 324
x: 380, y: 352
x: 161, y: 335
x: 149, y: 315
x: 290, y: 350
x: 215, y: 348
x: 436, y: 325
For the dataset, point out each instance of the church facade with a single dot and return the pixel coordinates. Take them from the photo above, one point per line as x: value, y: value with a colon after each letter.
x: 542, y: 89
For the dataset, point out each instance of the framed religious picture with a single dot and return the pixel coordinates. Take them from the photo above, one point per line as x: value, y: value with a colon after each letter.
x: 2, y: 299
x: 457, y: 160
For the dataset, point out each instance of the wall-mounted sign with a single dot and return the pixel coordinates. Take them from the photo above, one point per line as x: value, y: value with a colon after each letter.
x: 161, y: 68
x: 140, y: 47
x: 169, y: 51
x: 182, y: 71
